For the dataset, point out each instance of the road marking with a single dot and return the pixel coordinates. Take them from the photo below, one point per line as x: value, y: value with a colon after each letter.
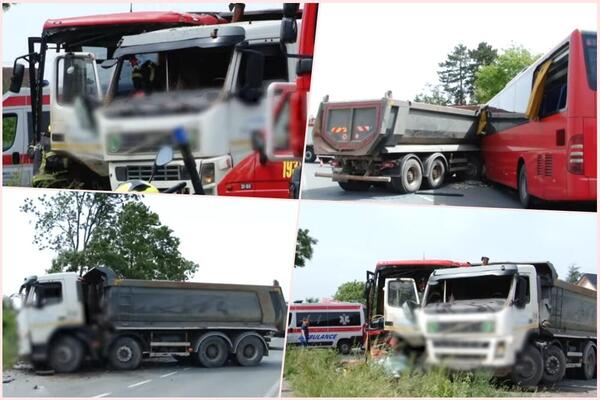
x: 169, y: 374
x: 102, y: 395
x: 274, y: 390
x: 139, y: 383
x: 425, y: 198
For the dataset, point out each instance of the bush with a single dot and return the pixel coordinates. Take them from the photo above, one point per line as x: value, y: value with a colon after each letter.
x: 9, y: 336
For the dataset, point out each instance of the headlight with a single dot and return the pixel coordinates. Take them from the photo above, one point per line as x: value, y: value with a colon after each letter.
x: 500, y: 349
x: 207, y: 173
x: 433, y: 327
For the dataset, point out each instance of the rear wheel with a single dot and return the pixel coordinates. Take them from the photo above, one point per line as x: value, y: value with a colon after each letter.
x: 66, y: 354
x: 524, y: 196
x: 436, y: 173
x: 213, y: 352
x: 344, y: 346
x: 355, y: 186
x: 125, y: 354
x: 250, y: 351
x: 410, y: 177
x: 555, y: 365
x: 529, y: 368
x: 588, y: 363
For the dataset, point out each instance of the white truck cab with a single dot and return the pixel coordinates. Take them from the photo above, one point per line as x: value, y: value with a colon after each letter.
x: 201, y: 78
x: 401, y: 300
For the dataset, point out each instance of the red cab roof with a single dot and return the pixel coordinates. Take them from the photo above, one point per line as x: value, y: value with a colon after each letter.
x: 141, y: 17
x: 424, y: 263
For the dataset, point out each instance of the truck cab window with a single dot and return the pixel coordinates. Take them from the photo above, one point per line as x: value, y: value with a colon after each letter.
x: 45, y: 294
x: 400, y: 292
x: 275, y: 68
x: 523, y: 280
x: 9, y: 130
x: 76, y: 78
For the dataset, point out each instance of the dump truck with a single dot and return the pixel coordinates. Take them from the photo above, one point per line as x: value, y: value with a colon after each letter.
x: 394, y: 292
x: 514, y: 318
x: 401, y: 145
x: 66, y: 319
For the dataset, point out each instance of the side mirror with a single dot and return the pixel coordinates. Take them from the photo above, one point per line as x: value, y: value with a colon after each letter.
x: 16, y: 80
x: 304, y: 66
x: 164, y: 156
x: 254, y: 73
x: 367, y: 289
x: 289, y: 31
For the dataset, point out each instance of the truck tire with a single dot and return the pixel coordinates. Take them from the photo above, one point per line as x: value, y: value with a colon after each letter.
x: 309, y: 155
x: 355, y: 186
x: 213, y: 352
x: 410, y: 177
x: 66, y: 354
x: 588, y: 363
x: 125, y: 354
x: 555, y: 365
x: 524, y: 196
x: 529, y: 368
x: 436, y: 173
x: 344, y: 346
x: 249, y: 351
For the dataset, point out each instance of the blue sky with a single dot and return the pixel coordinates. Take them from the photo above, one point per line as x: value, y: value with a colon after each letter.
x: 27, y: 19
x: 354, y: 237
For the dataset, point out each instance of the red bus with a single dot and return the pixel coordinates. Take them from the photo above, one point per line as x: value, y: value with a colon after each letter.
x: 540, y: 135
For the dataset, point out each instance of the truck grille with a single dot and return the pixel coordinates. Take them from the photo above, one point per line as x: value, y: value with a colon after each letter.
x: 462, y: 327
x: 461, y: 344
x: 461, y: 358
x: 143, y: 172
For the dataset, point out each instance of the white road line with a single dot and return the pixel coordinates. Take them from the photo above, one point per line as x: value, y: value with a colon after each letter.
x: 425, y: 198
x: 274, y: 390
x: 102, y: 395
x: 139, y: 383
x: 169, y: 374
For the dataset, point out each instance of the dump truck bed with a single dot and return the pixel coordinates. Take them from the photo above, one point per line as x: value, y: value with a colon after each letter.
x: 573, y: 310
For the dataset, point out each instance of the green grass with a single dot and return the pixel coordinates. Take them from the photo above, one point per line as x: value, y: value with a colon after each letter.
x: 320, y: 373
x: 9, y: 336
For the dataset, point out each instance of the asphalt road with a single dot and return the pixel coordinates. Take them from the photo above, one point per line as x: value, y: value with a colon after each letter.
x: 452, y: 193
x: 162, y: 377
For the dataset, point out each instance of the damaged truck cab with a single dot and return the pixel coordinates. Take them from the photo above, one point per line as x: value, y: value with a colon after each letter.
x: 516, y: 319
x: 65, y: 319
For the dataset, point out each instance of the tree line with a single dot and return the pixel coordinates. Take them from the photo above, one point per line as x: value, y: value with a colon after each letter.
x: 474, y: 76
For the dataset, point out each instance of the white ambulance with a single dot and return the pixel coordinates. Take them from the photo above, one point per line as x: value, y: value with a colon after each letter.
x: 336, y: 325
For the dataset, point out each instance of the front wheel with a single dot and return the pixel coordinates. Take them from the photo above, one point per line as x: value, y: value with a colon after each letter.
x: 529, y: 368
x: 66, y: 354
x: 125, y: 354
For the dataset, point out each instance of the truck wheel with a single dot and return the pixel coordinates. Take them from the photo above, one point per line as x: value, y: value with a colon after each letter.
x: 309, y: 155
x: 125, y: 354
x: 249, y: 351
x: 344, y: 346
x: 524, y: 196
x: 410, y: 178
x: 212, y: 352
x: 66, y: 354
x: 555, y: 365
x: 588, y: 363
x: 436, y: 174
x: 474, y: 169
x: 355, y: 186
x: 529, y: 368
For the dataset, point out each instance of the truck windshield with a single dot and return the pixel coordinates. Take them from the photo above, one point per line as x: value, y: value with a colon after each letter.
x: 400, y: 292
x: 471, y: 288
x: 176, y: 70
x: 589, y: 42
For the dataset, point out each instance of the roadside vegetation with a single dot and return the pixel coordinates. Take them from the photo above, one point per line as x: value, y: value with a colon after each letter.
x: 322, y: 373
x: 9, y: 335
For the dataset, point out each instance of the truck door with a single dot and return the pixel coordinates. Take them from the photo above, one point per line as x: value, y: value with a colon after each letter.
x: 400, y: 301
x: 17, y: 166
x: 76, y: 79
x: 526, y: 314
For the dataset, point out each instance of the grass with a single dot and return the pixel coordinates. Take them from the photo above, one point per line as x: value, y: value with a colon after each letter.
x: 319, y: 373
x: 9, y: 336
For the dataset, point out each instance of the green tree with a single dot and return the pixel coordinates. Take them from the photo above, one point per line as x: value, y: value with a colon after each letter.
x: 433, y: 95
x: 484, y: 54
x: 351, y: 292
x: 67, y: 221
x: 492, y: 78
x: 304, y: 248
x: 574, y: 274
x: 135, y: 245
x: 453, y: 74
x: 9, y: 334
x: 6, y: 6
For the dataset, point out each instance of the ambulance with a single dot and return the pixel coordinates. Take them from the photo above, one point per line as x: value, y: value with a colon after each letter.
x: 336, y: 325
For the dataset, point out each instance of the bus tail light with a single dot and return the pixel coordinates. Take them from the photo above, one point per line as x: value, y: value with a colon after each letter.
x: 575, y: 155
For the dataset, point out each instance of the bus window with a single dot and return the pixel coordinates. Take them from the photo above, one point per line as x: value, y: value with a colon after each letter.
x: 555, y: 87
x: 589, y: 44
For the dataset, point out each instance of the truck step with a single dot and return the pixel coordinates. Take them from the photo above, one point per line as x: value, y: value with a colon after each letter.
x: 573, y: 365
x: 174, y: 344
x: 164, y: 354
x: 574, y: 354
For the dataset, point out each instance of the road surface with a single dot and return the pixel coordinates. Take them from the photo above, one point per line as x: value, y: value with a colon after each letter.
x: 453, y: 193
x: 162, y: 377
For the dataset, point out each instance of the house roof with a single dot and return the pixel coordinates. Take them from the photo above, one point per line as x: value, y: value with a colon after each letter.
x: 591, y: 278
